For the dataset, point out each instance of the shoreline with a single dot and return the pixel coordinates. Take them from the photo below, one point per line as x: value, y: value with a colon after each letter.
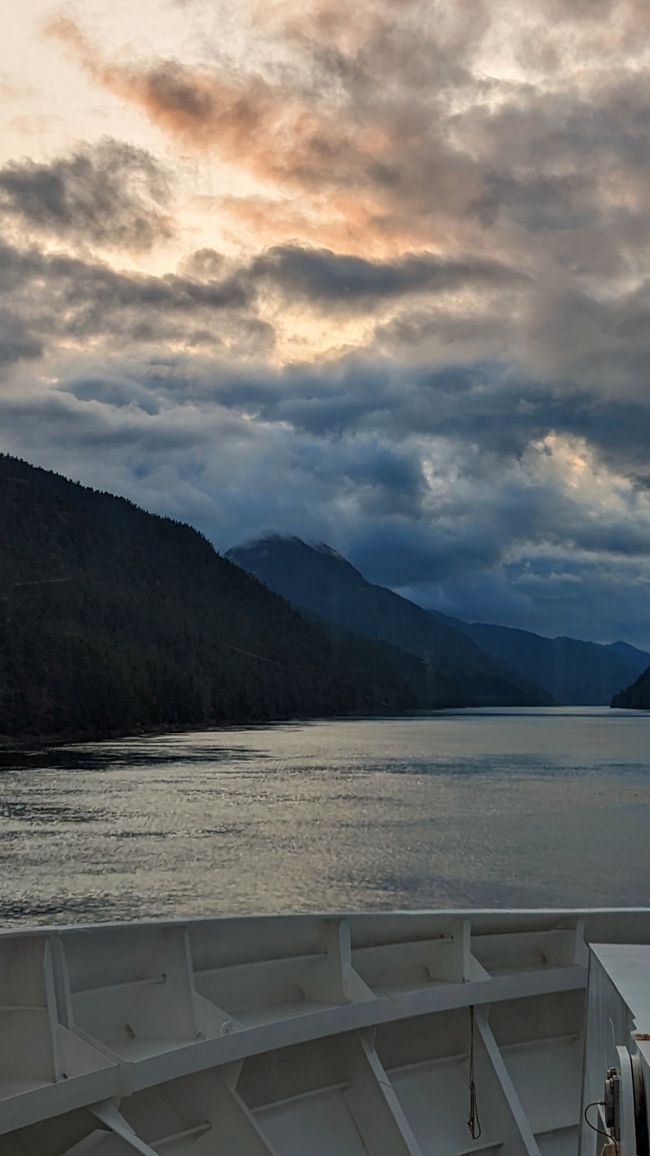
x: 24, y: 744
x: 10, y: 744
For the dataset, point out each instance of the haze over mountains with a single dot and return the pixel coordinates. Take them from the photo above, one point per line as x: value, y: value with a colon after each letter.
x: 314, y: 577
x: 574, y: 672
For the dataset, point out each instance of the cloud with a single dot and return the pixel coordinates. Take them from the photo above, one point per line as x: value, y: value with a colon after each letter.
x: 16, y: 342
x: 360, y: 151
x: 195, y: 107
x: 538, y: 541
x: 390, y: 125
x: 339, y: 281
x: 108, y: 194
x: 451, y: 492
x: 431, y: 346
x: 59, y: 299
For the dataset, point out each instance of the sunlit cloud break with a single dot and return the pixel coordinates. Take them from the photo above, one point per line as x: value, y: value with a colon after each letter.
x: 375, y: 274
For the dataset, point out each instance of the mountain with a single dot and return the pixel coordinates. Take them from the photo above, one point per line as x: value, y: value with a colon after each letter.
x: 565, y: 671
x: 113, y: 620
x: 573, y: 672
x: 636, y: 696
x: 322, y: 583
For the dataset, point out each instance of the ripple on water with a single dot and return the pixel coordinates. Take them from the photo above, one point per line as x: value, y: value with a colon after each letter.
x: 482, y: 808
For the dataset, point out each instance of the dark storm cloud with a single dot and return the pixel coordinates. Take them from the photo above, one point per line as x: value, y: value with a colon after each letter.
x: 71, y: 425
x: 214, y: 302
x: 487, y: 418
x: 489, y: 407
x: 16, y: 341
x: 536, y: 202
x: 426, y: 496
x: 109, y: 194
x: 486, y: 407
x: 55, y: 297
x: 338, y: 281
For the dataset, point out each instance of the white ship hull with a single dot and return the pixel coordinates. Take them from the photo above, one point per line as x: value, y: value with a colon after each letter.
x: 439, y: 1033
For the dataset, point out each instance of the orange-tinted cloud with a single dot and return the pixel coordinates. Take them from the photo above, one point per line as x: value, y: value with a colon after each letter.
x: 370, y: 164
x: 198, y: 109
x: 383, y: 131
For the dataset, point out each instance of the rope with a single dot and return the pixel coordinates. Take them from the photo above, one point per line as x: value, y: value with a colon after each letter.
x: 600, y: 1131
x: 473, y: 1122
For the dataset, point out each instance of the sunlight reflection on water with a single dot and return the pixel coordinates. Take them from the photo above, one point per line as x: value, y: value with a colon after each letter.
x: 480, y: 808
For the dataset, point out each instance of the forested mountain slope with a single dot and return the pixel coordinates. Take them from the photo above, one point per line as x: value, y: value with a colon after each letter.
x: 320, y: 581
x: 637, y: 696
x: 113, y: 619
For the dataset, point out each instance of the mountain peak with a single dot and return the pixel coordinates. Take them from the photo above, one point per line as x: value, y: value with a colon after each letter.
x: 276, y: 553
x: 322, y: 583
x: 280, y: 538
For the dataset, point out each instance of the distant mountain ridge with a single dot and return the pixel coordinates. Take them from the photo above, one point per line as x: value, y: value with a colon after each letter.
x: 319, y: 581
x: 563, y: 671
x: 574, y: 672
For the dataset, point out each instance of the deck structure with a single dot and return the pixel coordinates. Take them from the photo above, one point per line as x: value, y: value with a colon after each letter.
x: 441, y: 1033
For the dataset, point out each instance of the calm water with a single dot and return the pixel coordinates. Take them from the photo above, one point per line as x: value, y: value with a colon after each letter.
x: 478, y: 808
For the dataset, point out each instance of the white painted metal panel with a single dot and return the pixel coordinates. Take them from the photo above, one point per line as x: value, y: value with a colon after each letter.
x: 346, y: 1034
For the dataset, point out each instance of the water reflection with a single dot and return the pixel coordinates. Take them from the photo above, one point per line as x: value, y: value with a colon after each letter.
x: 472, y: 809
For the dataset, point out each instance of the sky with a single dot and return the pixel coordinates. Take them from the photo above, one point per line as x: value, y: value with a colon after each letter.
x: 373, y: 273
